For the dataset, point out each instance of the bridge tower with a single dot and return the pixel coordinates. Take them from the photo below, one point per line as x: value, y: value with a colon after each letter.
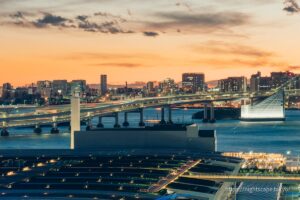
x: 75, y: 115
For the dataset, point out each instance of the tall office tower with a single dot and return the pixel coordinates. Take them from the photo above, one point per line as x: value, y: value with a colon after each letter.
x: 193, y: 82
x: 60, y: 87
x: 103, y: 84
x: 233, y: 84
x: 254, y: 82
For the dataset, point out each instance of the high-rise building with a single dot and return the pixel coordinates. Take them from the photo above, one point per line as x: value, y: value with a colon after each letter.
x: 44, y: 88
x: 193, y: 82
x: 60, y: 87
x: 233, y: 84
x: 254, y: 82
x: 103, y: 84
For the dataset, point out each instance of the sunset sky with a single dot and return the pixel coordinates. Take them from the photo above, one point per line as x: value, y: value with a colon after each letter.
x: 142, y: 40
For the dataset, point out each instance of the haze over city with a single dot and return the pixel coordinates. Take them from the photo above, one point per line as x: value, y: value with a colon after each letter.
x: 133, y: 41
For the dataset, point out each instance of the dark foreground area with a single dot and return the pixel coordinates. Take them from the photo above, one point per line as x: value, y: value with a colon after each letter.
x: 131, y: 175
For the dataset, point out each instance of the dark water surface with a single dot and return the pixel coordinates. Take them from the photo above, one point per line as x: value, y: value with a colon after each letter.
x: 232, y: 135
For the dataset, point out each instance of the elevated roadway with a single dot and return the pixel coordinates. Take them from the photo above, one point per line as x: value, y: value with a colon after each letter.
x: 60, y: 114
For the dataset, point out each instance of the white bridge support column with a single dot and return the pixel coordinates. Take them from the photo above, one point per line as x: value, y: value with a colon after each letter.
x: 75, y: 116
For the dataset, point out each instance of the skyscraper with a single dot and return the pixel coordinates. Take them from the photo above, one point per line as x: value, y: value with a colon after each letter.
x: 103, y: 84
x: 193, y: 82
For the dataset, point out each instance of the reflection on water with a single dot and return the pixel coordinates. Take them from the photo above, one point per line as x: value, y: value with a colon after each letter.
x: 233, y: 135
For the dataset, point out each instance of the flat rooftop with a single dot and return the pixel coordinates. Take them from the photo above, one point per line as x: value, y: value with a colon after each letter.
x: 106, y: 175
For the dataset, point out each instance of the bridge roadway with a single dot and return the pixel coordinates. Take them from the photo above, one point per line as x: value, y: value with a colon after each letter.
x: 243, y: 178
x: 60, y: 114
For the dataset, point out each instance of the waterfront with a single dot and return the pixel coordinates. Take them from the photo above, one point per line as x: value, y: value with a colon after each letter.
x: 232, y: 135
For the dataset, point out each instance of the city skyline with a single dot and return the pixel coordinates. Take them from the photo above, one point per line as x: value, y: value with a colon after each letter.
x: 212, y: 83
x: 75, y: 39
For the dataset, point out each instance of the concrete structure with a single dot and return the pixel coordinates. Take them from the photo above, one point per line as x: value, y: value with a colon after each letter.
x: 270, y: 109
x: 211, y: 118
x: 160, y: 137
x: 75, y: 116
